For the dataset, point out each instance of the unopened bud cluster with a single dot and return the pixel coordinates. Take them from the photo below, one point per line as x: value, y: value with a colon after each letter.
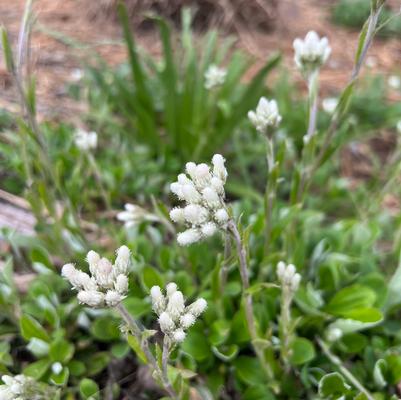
x: 214, y: 76
x: 312, y: 52
x: 174, y: 317
x: 134, y: 215
x: 107, y: 285
x: 85, y: 140
x: 203, y: 193
x: 17, y: 387
x: 288, y: 276
x: 266, y: 115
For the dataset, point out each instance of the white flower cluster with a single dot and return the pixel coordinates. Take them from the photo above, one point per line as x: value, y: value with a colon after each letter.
x: 203, y: 192
x: 134, y: 215
x: 266, y: 115
x: 174, y: 317
x: 288, y: 276
x: 85, y: 140
x: 108, y: 283
x: 214, y: 76
x: 15, y: 388
x: 312, y: 52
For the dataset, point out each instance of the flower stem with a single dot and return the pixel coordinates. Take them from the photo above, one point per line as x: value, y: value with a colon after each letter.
x: 285, y: 324
x: 248, y: 302
x: 144, y: 343
x: 337, y: 362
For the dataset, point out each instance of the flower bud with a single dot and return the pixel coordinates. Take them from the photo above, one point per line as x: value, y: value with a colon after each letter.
x: 177, y: 215
x: 121, y: 284
x: 214, y: 76
x: 171, y: 288
x: 166, y: 323
x: 175, y: 305
x: 187, y: 320
x: 209, y: 229
x: 221, y: 216
x: 219, y: 170
x: 92, y: 258
x: 188, y: 237
x: 190, y: 194
x: 179, y: 336
x: 281, y: 270
x: 91, y: 298
x: 122, y: 261
x: 104, y: 273
x: 218, y: 185
x: 113, y: 298
x: 211, y: 197
x: 197, y: 307
x: 195, y: 214
x: 158, y: 300
x: 176, y: 188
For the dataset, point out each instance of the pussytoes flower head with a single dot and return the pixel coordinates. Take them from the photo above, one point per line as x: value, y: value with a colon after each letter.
x: 288, y: 276
x: 312, y: 52
x: 202, y: 189
x: 133, y: 215
x: 85, y: 141
x: 108, y: 283
x: 265, y: 116
x: 173, y: 316
x: 19, y: 387
x: 214, y: 76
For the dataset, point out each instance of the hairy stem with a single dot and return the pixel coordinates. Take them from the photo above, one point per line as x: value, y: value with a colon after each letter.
x: 144, y: 343
x: 337, y: 362
x: 285, y: 323
x: 248, y: 302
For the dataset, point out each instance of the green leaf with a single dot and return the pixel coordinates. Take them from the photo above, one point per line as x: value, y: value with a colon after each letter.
x: 302, y: 351
x: 135, y: 345
x: 379, y: 373
x: 97, y: 362
x: 7, y: 52
x: 88, y: 388
x: 249, y: 370
x: 333, y: 385
x: 30, y: 328
x: 226, y: 353
x: 394, y: 289
x: 220, y: 330
x: 60, y: 379
x: 37, y: 369
x: 151, y: 277
x: 349, y: 299
x: 196, y: 345
x: 105, y: 329
x: 365, y: 315
x: 61, y: 350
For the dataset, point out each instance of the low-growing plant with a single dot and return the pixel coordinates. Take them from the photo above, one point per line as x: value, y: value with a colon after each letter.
x: 264, y: 276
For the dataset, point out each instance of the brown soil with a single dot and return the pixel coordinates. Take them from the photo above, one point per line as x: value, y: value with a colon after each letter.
x: 55, y: 62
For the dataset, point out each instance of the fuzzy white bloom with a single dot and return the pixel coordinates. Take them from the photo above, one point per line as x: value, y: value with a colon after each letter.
x: 188, y: 237
x: 209, y: 229
x: 175, y: 305
x: 158, y: 300
x: 394, y: 82
x: 197, y: 307
x: 214, y: 76
x: 91, y: 298
x: 113, y: 298
x: 195, y: 214
x: 108, y: 284
x: 221, y: 216
x: 177, y: 215
x: 187, y: 320
x: 121, y: 284
x: 219, y: 169
x: 123, y: 259
x: 133, y: 215
x: 85, y: 140
x: 266, y: 115
x: 329, y: 104
x: 173, y: 317
x: 166, y: 323
x: 288, y: 276
x: 202, y: 189
x: 171, y: 288
x: 15, y: 387
x: 312, y: 52
x: 178, y: 336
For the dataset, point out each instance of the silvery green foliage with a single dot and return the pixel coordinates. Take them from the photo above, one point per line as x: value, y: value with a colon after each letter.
x: 174, y: 317
x: 84, y: 140
x: 288, y: 276
x: 134, y: 215
x: 203, y: 192
x: 266, y: 115
x: 312, y: 52
x: 214, y: 76
x: 107, y: 284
